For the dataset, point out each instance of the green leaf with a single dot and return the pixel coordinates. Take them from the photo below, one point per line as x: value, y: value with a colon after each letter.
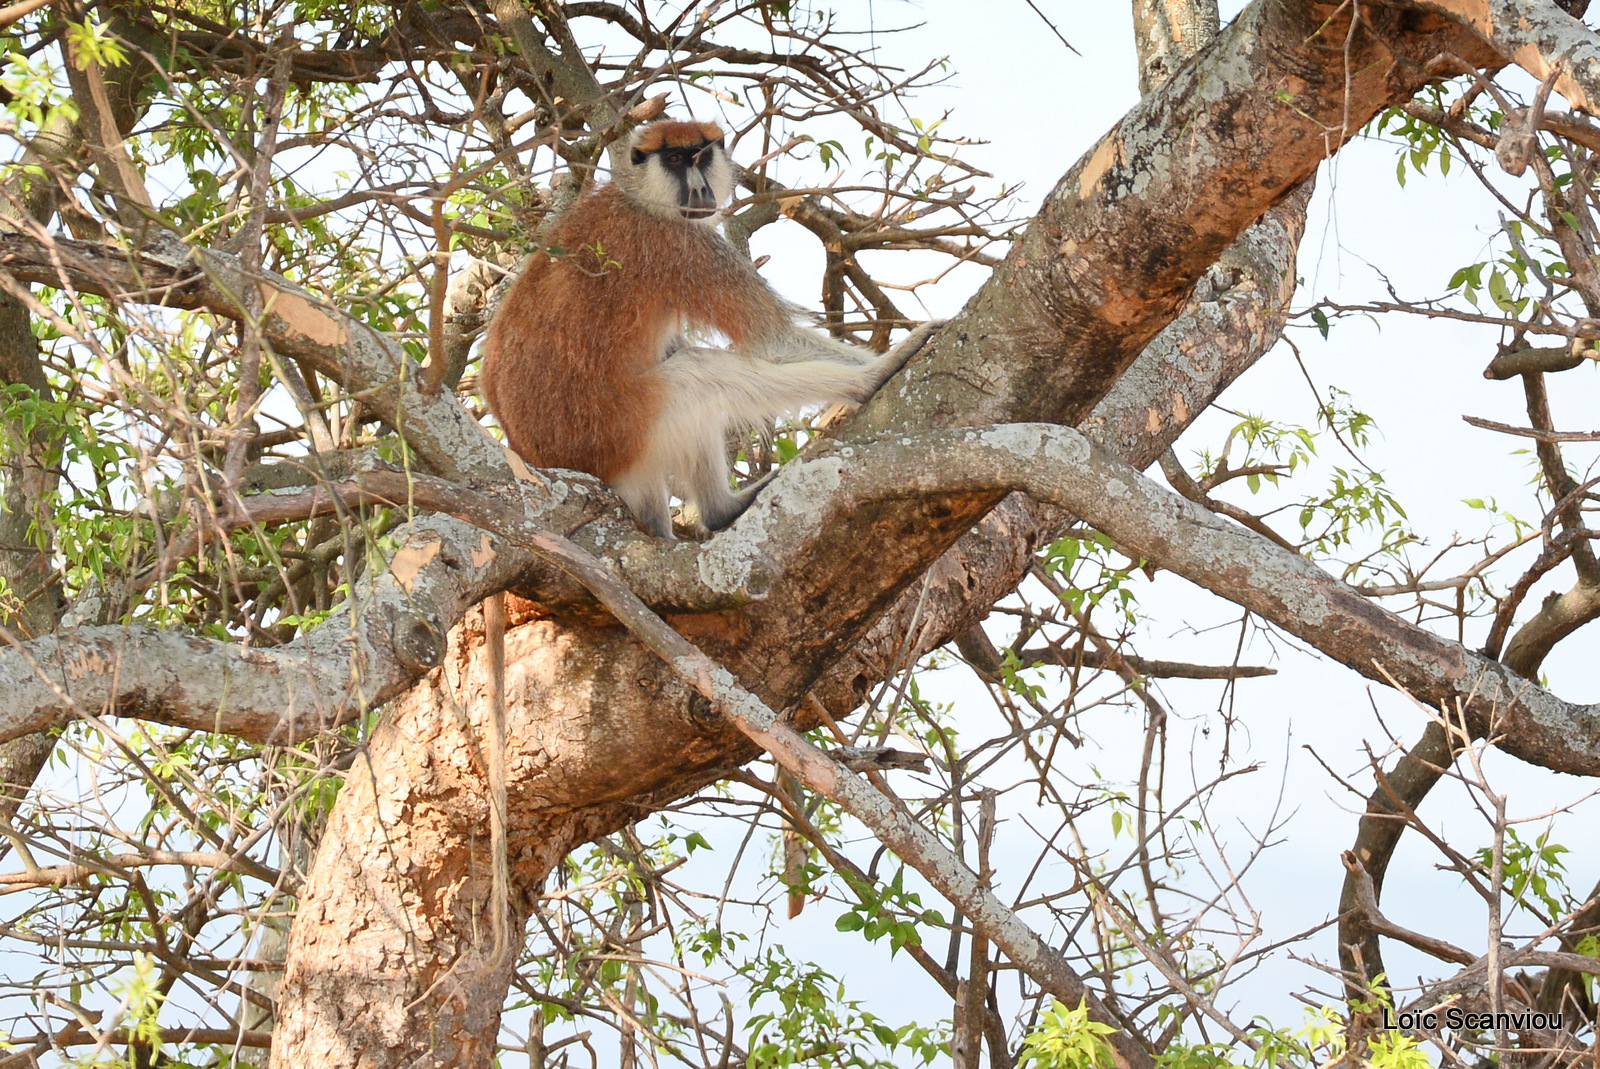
x: 1500, y: 292
x: 1067, y: 1039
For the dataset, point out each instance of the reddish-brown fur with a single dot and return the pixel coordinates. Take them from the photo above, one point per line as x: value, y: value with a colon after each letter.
x: 661, y: 135
x: 568, y: 357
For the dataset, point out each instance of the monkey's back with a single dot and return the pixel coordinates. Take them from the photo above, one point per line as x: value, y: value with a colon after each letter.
x: 567, y: 360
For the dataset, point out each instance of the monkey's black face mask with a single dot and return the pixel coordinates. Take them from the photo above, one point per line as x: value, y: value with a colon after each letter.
x: 693, y: 170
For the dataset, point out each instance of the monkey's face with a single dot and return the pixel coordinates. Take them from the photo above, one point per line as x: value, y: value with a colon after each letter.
x: 683, y: 168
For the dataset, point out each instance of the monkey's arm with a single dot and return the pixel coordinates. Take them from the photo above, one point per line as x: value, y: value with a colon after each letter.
x: 798, y: 343
x: 764, y: 326
x: 793, y: 343
x: 901, y: 354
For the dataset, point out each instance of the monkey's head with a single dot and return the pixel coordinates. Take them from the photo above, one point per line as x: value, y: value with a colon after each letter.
x: 680, y: 169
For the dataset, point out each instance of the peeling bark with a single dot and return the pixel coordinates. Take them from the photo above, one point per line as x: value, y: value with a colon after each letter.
x: 1537, y: 35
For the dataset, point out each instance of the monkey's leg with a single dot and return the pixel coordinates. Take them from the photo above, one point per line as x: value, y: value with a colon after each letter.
x: 709, y: 389
x: 644, y: 489
x: 705, y: 486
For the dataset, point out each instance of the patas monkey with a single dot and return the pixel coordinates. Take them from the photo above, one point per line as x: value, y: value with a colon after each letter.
x: 587, y: 365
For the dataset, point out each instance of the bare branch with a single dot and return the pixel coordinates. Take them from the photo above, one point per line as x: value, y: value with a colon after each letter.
x: 1533, y: 432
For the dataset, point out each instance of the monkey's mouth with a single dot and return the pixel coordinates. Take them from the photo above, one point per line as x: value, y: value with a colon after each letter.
x: 698, y: 213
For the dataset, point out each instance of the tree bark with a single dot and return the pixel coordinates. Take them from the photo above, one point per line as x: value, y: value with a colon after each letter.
x: 390, y: 953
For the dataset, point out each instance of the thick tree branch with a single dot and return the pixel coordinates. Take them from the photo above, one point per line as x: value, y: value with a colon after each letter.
x: 1235, y: 315
x: 1167, y: 32
x: 356, y: 660
x: 1063, y: 467
x: 374, y: 646
x: 1050, y: 463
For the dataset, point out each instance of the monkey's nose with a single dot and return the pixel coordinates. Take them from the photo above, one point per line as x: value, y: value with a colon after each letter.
x: 699, y: 204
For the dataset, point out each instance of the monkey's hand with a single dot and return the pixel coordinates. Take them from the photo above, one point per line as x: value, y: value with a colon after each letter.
x: 900, y: 355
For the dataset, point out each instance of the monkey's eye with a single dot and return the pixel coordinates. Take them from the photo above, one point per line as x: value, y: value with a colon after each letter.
x: 675, y: 159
